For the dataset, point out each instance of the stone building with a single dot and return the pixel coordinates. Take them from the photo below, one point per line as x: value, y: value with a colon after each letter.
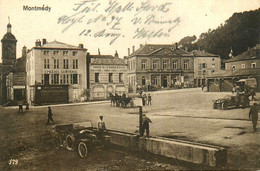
x: 245, y: 65
x: 8, y: 59
x: 16, y: 80
x: 156, y: 66
x: 56, y: 73
x: 106, y: 74
x: 205, y: 64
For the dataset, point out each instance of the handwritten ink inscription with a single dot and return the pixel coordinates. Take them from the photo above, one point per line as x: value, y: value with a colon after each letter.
x: 109, y: 19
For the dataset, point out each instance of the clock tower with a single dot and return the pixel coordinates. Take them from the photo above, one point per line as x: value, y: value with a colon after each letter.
x: 8, y: 47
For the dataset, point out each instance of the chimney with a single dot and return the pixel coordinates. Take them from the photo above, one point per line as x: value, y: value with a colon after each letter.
x: 199, y: 48
x: 128, y: 51
x: 186, y: 48
x: 81, y: 46
x: 116, y: 54
x: 44, y: 41
x: 141, y: 45
x: 38, y: 43
x: 176, y: 45
x: 133, y: 49
x: 24, y: 51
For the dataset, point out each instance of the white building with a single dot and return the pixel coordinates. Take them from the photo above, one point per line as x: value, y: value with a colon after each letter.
x: 56, y: 73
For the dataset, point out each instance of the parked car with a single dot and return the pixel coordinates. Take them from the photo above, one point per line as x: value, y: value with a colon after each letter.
x: 81, y: 137
x: 232, y: 101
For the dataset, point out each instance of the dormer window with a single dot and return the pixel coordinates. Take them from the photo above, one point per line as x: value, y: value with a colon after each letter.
x: 151, y: 48
x: 45, y: 52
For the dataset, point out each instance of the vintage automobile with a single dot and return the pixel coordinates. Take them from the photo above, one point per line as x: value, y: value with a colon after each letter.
x: 81, y: 137
x: 231, y: 101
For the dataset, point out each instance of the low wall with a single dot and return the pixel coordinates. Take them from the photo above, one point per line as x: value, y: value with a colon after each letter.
x: 177, y: 149
x: 124, y: 139
x: 191, y: 152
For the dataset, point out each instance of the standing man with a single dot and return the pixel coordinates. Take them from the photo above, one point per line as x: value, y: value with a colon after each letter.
x: 101, y: 126
x: 49, y: 116
x: 253, y: 113
x: 20, y: 104
x: 145, y: 125
x: 149, y: 99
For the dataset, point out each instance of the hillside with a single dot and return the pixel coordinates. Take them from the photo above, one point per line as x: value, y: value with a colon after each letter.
x: 239, y: 32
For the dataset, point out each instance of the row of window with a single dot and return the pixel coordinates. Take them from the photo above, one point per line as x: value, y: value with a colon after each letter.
x: 243, y: 66
x: 65, y: 53
x: 56, y: 64
x: 64, y: 79
x: 165, y: 64
x: 110, y: 78
x: 154, y: 79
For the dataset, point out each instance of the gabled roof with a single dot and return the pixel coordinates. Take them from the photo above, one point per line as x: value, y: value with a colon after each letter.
x: 253, y: 53
x: 202, y: 53
x: 160, y: 49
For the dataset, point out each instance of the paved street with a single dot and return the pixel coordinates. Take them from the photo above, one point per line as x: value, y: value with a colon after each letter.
x: 184, y: 114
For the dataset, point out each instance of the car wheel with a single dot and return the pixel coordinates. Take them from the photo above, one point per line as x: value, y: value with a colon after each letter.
x: 70, y: 141
x: 215, y: 106
x: 224, y: 105
x: 82, y: 150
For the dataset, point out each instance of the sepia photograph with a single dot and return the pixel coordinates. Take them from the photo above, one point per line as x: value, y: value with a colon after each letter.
x: 129, y: 85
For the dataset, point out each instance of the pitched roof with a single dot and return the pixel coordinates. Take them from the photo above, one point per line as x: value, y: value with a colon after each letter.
x: 202, y: 53
x: 151, y: 49
x: 56, y: 44
x: 101, y: 56
x: 253, y: 53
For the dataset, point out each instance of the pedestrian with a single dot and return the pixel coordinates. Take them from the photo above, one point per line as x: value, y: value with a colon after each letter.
x: 202, y: 87
x: 253, y: 114
x: 101, y: 126
x: 27, y: 106
x: 252, y: 93
x: 145, y: 125
x: 20, y: 105
x: 144, y: 99
x: 50, y: 116
x: 149, y: 99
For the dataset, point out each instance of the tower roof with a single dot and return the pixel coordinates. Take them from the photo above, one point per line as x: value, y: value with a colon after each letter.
x: 9, y: 36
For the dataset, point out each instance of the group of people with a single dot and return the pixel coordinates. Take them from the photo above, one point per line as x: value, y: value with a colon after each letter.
x: 146, y: 99
x: 20, y: 106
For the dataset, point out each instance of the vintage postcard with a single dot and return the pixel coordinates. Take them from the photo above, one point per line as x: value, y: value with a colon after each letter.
x: 129, y: 85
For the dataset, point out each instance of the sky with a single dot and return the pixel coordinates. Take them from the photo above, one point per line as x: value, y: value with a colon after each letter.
x: 111, y: 25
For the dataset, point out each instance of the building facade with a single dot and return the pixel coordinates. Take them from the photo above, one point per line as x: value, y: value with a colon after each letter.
x: 56, y: 73
x: 156, y: 66
x: 8, y: 59
x: 205, y: 64
x: 106, y: 74
x: 245, y: 65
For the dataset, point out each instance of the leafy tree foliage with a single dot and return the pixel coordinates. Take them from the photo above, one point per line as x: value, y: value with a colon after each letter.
x: 239, y: 32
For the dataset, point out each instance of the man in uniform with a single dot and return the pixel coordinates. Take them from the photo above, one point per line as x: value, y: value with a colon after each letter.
x: 253, y: 114
x: 49, y: 116
x: 145, y: 125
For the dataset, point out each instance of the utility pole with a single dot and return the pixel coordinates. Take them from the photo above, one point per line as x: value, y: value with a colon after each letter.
x: 140, y: 119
